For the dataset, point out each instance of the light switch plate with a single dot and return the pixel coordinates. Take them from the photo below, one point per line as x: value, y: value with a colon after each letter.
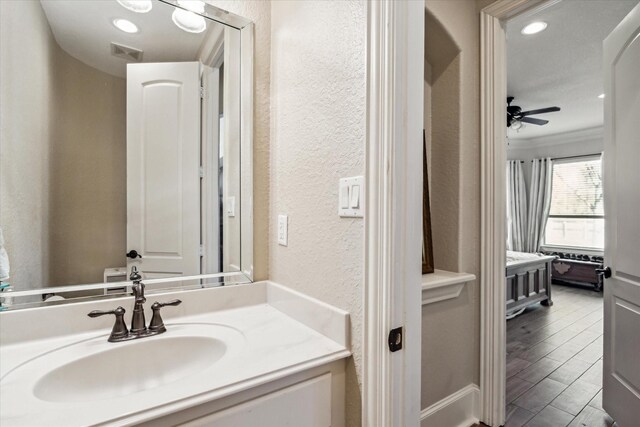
x: 283, y: 230
x: 351, y: 201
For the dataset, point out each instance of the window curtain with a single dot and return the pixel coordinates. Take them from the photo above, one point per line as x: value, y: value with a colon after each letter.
x: 516, y: 207
x: 539, y: 202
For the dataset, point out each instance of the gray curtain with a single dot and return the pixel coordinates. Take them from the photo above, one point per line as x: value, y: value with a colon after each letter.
x: 539, y: 202
x: 516, y: 207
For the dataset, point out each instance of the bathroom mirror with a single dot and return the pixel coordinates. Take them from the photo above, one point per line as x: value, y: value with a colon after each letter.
x: 126, y: 140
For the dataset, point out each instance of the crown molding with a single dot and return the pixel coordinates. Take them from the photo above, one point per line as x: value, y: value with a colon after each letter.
x: 557, y: 139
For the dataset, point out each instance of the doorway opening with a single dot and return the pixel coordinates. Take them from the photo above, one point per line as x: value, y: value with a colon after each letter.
x: 620, y: 148
x: 555, y: 213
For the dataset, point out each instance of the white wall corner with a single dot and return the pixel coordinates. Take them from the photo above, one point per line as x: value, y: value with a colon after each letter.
x: 460, y: 409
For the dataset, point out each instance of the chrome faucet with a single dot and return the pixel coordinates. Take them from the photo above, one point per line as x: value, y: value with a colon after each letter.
x: 138, y: 324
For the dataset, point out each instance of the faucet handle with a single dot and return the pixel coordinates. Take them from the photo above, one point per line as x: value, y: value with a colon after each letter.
x: 97, y: 313
x: 119, y: 330
x: 157, y: 324
x: 173, y: 302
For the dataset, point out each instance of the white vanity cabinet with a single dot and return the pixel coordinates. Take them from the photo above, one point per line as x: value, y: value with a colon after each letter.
x: 245, y: 355
x: 314, y: 398
x: 307, y: 404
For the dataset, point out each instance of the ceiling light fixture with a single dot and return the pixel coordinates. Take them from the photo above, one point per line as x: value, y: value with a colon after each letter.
x: 138, y: 6
x: 516, y: 125
x: 601, y: 96
x: 534, y: 28
x: 189, y: 20
x: 125, y: 25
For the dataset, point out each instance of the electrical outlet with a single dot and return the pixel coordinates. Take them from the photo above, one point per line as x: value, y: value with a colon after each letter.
x: 283, y: 229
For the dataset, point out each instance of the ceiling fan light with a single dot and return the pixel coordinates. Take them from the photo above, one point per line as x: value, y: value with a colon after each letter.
x: 534, y: 28
x: 601, y: 96
x: 138, y: 6
x: 516, y: 125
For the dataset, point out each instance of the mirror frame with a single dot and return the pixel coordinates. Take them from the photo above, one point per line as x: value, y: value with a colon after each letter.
x: 245, y: 275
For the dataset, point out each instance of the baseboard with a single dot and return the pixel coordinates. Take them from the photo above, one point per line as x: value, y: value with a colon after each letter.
x: 460, y: 409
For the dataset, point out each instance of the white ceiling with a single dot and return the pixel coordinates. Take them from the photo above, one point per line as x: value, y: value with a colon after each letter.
x: 562, y: 66
x: 85, y: 30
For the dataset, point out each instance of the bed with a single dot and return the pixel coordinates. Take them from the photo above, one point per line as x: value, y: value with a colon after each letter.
x: 528, y: 280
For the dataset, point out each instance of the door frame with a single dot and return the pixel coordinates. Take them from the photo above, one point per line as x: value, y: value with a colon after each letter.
x: 493, y: 88
x: 393, y: 217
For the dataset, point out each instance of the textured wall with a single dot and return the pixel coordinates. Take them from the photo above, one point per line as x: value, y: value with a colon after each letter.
x: 258, y: 11
x: 450, y: 329
x: 88, y: 197
x: 318, y: 77
x: 27, y: 53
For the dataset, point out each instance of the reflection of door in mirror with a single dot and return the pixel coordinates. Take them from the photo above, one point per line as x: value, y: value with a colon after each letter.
x: 112, y: 142
x: 163, y: 168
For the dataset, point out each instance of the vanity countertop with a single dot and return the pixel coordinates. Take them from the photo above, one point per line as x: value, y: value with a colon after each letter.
x: 274, y: 332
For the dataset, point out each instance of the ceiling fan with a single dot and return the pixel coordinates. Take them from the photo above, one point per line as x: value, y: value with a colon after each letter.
x: 515, y: 115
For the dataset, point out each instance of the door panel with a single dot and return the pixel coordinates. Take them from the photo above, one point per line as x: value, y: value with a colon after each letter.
x: 163, y: 161
x: 621, y: 382
x: 626, y: 317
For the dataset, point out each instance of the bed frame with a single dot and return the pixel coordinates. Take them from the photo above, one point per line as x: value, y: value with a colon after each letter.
x: 528, y: 282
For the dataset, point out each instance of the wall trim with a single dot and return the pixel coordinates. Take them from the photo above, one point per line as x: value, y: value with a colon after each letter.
x: 493, y: 87
x: 460, y: 409
x: 443, y: 285
x: 558, y: 138
x: 393, y: 220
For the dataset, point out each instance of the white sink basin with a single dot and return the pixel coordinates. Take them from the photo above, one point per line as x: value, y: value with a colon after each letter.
x: 126, y: 369
x: 94, y: 369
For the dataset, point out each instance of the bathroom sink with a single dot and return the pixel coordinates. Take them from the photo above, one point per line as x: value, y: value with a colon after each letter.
x: 94, y: 369
x: 126, y: 369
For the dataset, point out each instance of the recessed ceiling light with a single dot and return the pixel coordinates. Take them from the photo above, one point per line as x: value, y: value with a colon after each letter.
x: 601, y: 96
x: 189, y: 21
x: 138, y: 6
x: 125, y: 25
x: 534, y: 28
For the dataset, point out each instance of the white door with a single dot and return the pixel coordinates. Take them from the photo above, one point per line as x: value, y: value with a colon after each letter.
x: 621, y: 382
x: 163, y: 168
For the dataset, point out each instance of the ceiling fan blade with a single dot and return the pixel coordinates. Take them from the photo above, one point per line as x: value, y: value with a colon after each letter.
x: 533, y: 121
x: 540, y: 111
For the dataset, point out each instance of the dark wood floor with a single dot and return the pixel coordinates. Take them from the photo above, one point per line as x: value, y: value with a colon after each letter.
x: 554, y: 363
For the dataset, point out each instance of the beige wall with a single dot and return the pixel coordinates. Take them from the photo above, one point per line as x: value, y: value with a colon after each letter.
x: 318, y: 105
x: 27, y: 55
x: 450, y: 329
x: 88, y: 215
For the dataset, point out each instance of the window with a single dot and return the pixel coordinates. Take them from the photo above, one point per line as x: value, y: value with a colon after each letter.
x: 576, y: 218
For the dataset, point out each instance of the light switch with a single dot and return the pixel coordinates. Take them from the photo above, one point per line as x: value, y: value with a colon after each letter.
x: 344, y: 196
x: 351, y: 197
x: 283, y: 230
x: 355, y: 197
